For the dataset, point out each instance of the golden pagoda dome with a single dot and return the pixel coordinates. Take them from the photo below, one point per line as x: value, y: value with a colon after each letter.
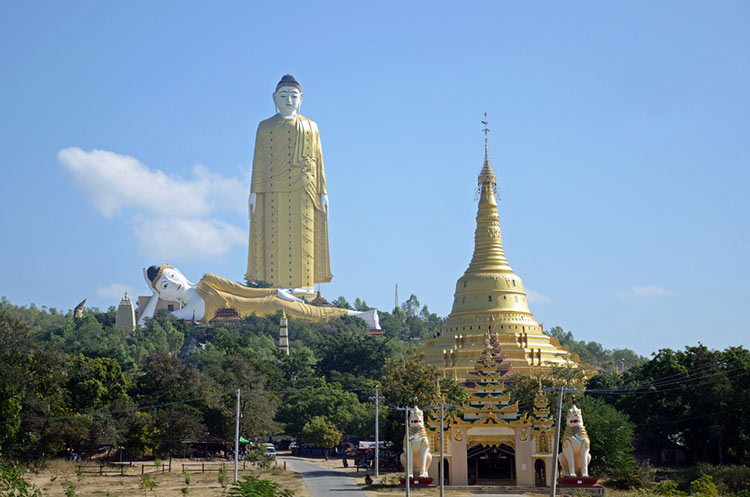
x: 490, y: 297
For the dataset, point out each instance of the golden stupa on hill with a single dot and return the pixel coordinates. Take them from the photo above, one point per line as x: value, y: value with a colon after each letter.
x: 490, y: 297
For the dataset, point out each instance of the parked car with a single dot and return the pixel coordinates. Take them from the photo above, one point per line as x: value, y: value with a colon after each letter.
x: 269, y: 450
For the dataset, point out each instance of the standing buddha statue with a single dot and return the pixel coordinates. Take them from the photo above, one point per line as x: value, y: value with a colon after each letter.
x: 288, y: 202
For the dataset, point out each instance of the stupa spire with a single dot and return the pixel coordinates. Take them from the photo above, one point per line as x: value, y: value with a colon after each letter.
x: 487, y: 175
x: 488, y: 239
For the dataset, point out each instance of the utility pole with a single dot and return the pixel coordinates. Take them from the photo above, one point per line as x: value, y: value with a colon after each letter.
x: 441, y: 468
x: 237, y: 438
x: 377, y: 426
x: 407, y: 449
x: 556, y: 447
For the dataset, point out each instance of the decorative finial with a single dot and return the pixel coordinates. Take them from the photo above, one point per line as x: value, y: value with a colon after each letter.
x: 487, y: 175
x: 486, y: 131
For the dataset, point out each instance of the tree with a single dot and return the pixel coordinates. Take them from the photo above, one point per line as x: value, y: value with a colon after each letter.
x: 321, y: 432
x: 94, y: 382
x: 594, y: 353
x: 177, y: 393
x: 411, y: 306
x: 611, y: 434
x: 355, y: 353
x: 403, y: 381
x: 320, y: 398
x: 257, y: 405
x: 298, y: 367
x: 341, y: 303
x: 361, y: 305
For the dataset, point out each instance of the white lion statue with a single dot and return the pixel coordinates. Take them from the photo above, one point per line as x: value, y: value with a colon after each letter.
x: 575, y: 456
x: 419, y: 444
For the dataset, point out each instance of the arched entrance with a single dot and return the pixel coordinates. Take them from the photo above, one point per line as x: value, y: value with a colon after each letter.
x: 489, y: 465
x: 540, y: 473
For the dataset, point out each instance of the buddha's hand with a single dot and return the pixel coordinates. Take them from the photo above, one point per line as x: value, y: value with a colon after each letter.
x: 324, y: 203
x: 251, y: 204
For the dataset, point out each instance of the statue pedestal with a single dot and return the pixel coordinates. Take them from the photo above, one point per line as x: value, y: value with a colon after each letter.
x: 416, y: 482
x: 586, y: 484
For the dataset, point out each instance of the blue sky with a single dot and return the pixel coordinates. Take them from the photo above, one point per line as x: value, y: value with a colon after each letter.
x: 619, y: 134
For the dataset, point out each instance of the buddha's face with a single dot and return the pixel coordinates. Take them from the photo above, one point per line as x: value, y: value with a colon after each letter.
x: 172, y: 284
x: 287, y: 99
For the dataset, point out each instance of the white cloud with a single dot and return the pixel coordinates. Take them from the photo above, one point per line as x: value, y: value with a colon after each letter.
x: 115, y: 291
x: 536, y: 297
x: 114, y: 182
x: 173, y: 219
x: 644, y: 292
x: 168, y: 240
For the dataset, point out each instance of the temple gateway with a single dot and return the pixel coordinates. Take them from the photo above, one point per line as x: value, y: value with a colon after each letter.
x: 491, y: 442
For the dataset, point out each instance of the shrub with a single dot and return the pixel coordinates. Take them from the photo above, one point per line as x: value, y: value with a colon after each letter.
x: 254, y: 487
x: 630, y: 474
x: 70, y: 488
x: 727, y: 478
x: 704, y: 487
x: 667, y: 488
x: 147, y: 483
x: 12, y: 482
x: 223, y: 477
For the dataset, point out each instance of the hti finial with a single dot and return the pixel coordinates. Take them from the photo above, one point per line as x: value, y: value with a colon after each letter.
x: 487, y: 175
x: 486, y: 129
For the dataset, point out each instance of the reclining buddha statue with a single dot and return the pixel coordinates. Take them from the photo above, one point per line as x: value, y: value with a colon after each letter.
x: 201, y: 301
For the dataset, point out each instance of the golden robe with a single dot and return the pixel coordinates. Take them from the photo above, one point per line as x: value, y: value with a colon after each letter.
x: 219, y: 293
x: 288, y: 228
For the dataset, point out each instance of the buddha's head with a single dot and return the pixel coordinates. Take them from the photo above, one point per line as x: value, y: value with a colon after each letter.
x: 288, y: 96
x: 168, y: 282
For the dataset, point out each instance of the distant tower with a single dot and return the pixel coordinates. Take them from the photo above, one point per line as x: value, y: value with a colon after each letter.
x: 395, y: 306
x: 284, y: 335
x: 125, y: 318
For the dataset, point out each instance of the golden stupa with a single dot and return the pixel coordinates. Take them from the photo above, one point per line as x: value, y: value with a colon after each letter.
x: 491, y: 297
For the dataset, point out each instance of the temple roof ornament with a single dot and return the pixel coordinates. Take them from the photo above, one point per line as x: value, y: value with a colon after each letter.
x: 486, y: 175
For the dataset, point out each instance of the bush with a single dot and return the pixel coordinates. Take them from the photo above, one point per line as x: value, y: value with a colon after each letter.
x: 223, y: 478
x: 12, y: 482
x: 70, y: 488
x: 147, y: 484
x: 667, y: 488
x: 727, y: 478
x: 255, y: 487
x: 629, y: 473
x: 704, y: 487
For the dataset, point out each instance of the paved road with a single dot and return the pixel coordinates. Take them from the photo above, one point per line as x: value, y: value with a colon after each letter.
x: 323, y: 482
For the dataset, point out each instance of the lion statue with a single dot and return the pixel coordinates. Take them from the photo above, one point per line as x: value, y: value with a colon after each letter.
x: 419, y: 444
x: 575, y: 456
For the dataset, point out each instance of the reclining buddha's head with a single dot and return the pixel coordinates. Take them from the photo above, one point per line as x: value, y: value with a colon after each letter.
x: 167, y: 281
